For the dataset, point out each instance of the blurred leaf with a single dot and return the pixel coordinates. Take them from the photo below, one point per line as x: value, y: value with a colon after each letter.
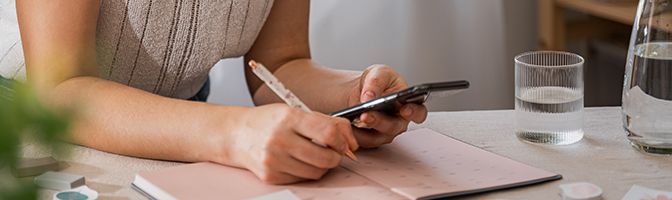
x: 25, y: 190
x: 22, y: 115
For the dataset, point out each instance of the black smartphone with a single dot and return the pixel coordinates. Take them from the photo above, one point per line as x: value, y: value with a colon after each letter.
x: 390, y: 104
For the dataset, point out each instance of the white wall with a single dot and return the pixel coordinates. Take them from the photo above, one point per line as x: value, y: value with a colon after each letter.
x: 227, y: 84
x: 429, y: 40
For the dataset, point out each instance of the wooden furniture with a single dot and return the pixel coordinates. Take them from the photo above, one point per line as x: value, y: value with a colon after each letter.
x: 604, y: 157
x: 553, y: 25
x: 598, y: 30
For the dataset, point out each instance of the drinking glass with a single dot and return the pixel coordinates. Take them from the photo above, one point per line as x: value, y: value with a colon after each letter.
x: 549, y: 97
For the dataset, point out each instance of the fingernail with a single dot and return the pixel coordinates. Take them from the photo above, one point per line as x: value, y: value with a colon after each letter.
x: 358, y: 123
x: 369, y: 119
x: 368, y: 96
x: 407, y: 111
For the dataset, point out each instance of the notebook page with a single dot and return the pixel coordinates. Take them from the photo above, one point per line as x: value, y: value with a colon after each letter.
x: 425, y: 163
x: 212, y: 181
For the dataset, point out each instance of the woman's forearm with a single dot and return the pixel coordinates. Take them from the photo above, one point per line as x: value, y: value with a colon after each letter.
x: 120, y: 119
x: 322, y: 89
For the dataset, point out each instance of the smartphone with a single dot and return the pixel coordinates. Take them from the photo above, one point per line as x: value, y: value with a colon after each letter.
x: 390, y: 104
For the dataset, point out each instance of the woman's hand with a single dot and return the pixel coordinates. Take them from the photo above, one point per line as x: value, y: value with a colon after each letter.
x: 377, y: 81
x: 277, y: 143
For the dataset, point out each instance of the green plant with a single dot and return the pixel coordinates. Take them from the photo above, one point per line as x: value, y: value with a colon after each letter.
x: 23, y: 116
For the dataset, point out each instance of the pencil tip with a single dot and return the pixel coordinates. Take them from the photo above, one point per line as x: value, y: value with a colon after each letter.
x: 351, y: 155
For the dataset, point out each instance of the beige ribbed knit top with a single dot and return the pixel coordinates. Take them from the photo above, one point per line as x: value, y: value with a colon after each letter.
x: 167, y: 47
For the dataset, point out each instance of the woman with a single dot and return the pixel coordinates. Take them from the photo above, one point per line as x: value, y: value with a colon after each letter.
x: 138, y: 70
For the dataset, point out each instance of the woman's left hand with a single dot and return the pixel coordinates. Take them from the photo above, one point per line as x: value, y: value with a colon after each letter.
x: 377, y: 81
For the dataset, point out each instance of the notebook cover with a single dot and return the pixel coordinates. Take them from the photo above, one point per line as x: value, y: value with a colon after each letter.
x: 419, y: 164
x: 212, y: 181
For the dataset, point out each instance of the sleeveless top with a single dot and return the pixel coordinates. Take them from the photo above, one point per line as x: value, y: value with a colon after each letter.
x: 168, y: 47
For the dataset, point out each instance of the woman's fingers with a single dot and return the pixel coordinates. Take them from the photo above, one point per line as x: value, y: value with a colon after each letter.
x: 384, y: 128
x: 295, y: 167
x: 272, y: 166
x: 373, y: 85
x: 369, y: 138
x: 278, y: 178
x: 310, y: 153
x: 384, y: 123
x: 379, y: 80
x: 293, y: 145
x: 413, y: 112
x: 331, y: 131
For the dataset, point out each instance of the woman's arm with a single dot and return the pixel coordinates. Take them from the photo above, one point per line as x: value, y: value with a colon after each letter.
x: 59, y: 45
x: 284, y: 41
x: 283, y: 46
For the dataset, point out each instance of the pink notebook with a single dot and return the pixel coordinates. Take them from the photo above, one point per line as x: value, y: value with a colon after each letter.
x: 419, y: 164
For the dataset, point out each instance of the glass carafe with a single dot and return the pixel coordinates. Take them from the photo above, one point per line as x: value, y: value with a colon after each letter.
x: 647, y: 90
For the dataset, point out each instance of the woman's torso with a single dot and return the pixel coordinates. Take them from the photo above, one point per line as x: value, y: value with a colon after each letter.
x: 168, y: 47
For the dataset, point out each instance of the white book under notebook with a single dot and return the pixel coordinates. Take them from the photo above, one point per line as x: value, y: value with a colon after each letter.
x: 419, y: 164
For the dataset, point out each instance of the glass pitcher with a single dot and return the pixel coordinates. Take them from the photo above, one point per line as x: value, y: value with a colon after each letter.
x: 647, y: 89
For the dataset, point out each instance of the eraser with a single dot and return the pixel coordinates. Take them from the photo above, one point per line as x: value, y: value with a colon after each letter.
x: 59, y: 180
x: 580, y: 191
x: 35, y: 166
x: 79, y: 193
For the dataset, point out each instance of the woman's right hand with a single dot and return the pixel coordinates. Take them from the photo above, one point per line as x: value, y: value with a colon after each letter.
x: 278, y: 143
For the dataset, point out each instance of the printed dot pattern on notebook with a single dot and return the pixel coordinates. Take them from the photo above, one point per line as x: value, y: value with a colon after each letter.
x: 421, y: 163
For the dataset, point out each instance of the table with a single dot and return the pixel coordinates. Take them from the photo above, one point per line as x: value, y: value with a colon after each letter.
x: 604, y: 157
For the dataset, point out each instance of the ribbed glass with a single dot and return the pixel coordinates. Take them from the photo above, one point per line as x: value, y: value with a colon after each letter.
x: 549, y: 97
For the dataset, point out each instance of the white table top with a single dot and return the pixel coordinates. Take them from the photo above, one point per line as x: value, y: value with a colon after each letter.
x: 604, y: 157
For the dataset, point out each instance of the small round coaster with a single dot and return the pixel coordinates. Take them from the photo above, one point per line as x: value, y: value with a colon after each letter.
x: 580, y: 191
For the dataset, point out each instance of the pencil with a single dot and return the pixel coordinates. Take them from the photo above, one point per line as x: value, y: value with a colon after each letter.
x: 279, y: 89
